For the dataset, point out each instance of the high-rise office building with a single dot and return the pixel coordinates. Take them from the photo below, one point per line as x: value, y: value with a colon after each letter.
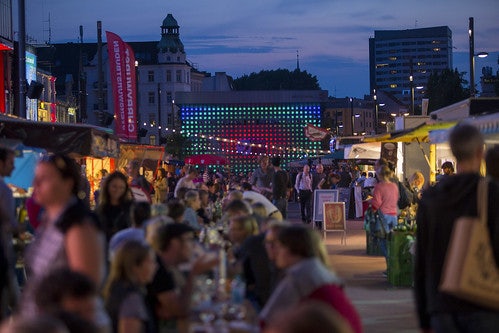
x: 401, y: 61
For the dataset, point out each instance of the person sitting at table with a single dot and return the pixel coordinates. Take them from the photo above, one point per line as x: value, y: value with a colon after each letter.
x: 309, y: 316
x: 249, y: 251
x: 192, y: 204
x: 306, y: 277
x: 132, y: 268
x: 169, y: 294
x: 65, y: 290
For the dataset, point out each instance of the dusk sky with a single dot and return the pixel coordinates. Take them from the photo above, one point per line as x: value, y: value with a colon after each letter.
x: 240, y: 37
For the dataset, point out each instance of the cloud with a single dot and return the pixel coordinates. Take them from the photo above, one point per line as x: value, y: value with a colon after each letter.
x: 244, y: 36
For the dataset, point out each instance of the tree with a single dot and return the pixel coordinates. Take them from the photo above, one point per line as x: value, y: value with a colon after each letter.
x: 446, y: 88
x: 280, y: 79
x: 176, y: 144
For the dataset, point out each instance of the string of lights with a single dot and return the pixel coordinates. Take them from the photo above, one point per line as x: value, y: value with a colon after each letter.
x: 243, y: 143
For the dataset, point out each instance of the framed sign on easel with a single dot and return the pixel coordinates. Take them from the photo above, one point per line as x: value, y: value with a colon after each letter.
x: 335, y: 219
x: 320, y: 197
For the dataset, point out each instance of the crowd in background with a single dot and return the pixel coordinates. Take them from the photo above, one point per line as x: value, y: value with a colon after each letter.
x: 135, y: 255
x: 138, y: 254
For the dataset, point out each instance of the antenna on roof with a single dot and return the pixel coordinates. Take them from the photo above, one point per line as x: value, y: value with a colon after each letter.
x: 49, y: 30
x: 297, y: 60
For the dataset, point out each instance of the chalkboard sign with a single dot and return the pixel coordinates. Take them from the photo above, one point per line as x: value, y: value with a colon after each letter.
x: 334, y: 218
x: 321, y: 196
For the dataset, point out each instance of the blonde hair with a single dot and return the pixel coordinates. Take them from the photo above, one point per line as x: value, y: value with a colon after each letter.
x: 416, y: 179
x: 128, y: 256
x: 248, y: 223
x: 259, y: 209
x: 384, y: 172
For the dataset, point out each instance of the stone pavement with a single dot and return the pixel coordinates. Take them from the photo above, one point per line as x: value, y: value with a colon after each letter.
x: 382, y: 307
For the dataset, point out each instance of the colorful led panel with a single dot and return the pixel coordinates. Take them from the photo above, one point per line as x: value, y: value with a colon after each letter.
x: 244, y: 132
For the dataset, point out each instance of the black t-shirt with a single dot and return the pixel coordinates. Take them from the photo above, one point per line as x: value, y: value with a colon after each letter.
x: 280, y: 184
x: 163, y: 281
x: 256, y: 267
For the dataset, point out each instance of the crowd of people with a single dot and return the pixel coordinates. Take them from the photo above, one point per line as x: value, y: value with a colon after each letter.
x: 139, y: 258
x: 132, y: 261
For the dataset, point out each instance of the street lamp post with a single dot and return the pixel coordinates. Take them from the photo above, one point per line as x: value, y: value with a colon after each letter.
x: 21, y: 93
x: 137, y: 113
x: 471, y: 33
x: 411, y: 80
x: 472, y: 56
x: 175, y: 119
x: 375, y: 99
x: 159, y: 113
x: 351, y: 114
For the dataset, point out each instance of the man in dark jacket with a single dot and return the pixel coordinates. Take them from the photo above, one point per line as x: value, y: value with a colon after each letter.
x: 440, y: 206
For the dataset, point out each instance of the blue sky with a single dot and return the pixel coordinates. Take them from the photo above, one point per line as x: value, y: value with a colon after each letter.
x: 240, y: 37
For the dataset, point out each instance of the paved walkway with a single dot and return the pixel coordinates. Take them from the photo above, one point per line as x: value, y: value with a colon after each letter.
x: 382, y: 307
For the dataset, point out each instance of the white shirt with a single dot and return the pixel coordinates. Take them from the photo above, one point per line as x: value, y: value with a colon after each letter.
x: 303, y: 181
x: 253, y: 197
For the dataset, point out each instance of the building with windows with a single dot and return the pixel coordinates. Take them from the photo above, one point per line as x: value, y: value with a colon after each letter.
x: 162, y: 70
x: 242, y: 125
x: 401, y: 61
x: 349, y: 116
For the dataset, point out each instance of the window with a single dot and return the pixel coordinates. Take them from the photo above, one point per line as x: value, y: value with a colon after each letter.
x: 152, y: 140
x: 150, y: 76
x: 168, y: 76
x: 151, y: 97
x: 169, y: 96
x: 179, y: 76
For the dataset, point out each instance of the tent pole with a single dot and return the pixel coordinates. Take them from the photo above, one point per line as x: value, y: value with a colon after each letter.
x: 433, y: 163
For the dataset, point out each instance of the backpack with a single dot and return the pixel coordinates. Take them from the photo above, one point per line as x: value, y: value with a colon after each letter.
x: 405, y: 197
x: 374, y: 223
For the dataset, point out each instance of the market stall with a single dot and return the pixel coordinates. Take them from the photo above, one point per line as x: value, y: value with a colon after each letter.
x: 90, y: 145
x: 78, y: 140
x: 151, y: 157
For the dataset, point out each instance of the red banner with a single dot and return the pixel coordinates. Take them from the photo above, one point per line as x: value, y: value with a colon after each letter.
x: 2, y: 85
x: 122, y: 74
x: 315, y: 133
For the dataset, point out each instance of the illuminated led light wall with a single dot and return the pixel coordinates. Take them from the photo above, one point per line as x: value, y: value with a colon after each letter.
x: 245, y: 132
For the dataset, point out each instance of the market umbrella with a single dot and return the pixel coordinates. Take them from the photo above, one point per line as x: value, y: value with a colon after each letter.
x: 206, y: 159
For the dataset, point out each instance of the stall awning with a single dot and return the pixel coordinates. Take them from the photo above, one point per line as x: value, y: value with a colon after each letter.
x: 366, y: 151
x: 488, y: 125
x: 417, y: 134
x: 74, y: 139
x: 467, y: 108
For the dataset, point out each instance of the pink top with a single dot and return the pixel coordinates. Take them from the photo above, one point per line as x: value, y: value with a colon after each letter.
x: 385, y: 197
x: 335, y: 296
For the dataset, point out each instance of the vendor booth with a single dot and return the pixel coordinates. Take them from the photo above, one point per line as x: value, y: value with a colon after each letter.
x: 95, y: 147
x: 151, y: 157
x: 78, y: 140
